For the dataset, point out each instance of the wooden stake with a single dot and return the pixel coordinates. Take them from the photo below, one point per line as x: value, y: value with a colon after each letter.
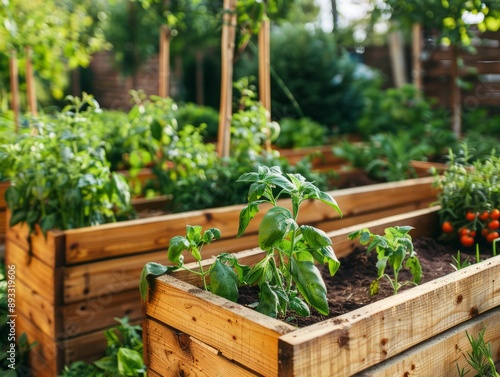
x: 14, y: 86
x: 226, y: 95
x: 30, y: 83
x: 417, y: 46
x: 397, y: 58
x: 164, y: 62
x: 455, y: 94
x: 264, y: 70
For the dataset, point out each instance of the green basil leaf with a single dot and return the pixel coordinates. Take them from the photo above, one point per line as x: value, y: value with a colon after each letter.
x: 12, y: 197
x: 374, y: 287
x: 246, y: 215
x: 268, y: 301
x: 310, y: 284
x: 300, y: 307
x: 129, y: 362
x: 415, y: 268
x: 223, y: 281
x: 107, y: 363
x: 151, y: 268
x: 176, y: 247
x: 315, y: 237
x: 156, y: 130
x: 274, y: 226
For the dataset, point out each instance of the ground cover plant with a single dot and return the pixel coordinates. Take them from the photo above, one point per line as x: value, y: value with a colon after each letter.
x: 480, y: 358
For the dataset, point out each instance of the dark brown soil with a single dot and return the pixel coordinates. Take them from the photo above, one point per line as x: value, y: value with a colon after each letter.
x: 349, y: 288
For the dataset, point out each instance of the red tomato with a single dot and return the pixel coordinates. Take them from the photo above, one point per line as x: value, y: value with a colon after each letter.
x: 484, y: 216
x: 494, y: 224
x: 472, y: 233
x: 495, y: 214
x: 447, y: 227
x: 470, y: 216
x: 492, y: 236
x: 485, y: 232
x: 467, y: 241
x: 464, y: 231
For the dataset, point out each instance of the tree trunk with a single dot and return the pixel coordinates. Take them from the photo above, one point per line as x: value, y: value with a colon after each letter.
x: 226, y: 95
x: 397, y: 58
x: 335, y: 16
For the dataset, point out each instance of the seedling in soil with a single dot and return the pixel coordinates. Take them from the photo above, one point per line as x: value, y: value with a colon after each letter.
x: 394, y: 250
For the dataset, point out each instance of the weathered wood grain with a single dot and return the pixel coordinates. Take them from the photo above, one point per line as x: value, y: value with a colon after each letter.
x: 362, y: 338
x: 239, y: 333
x: 440, y: 355
x: 186, y: 356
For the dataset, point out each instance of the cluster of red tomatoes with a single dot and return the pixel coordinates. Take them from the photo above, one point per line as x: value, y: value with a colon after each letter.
x: 487, y: 223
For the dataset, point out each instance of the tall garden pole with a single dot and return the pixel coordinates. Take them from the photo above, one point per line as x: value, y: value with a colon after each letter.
x: 164, y: 62
x: 397, y: 58
x: 416, y: 53
x: 455, y: 94
x: 30, y: 83
x: 264, y: 69
x: 226, y: 95
x: 14, y: 86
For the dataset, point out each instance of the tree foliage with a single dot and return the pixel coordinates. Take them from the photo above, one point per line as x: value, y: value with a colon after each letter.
x: 61, y: 34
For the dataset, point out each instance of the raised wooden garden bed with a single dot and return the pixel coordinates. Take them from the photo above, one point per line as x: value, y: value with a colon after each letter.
x: 3, y: 212
x: 419, y: 332
x: 72, y: 284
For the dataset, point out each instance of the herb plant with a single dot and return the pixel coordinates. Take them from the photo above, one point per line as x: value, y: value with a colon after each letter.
x: 394, y: 250
x: 288, y: 267
x: 286, y: 276
x: 60, y: 176
x: 480, y: 358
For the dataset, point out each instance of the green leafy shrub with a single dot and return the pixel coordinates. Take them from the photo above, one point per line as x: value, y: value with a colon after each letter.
x: 398, y: 109
x: 313, y: 77
x: 60, y: 176
x: 301, y: 132
x: 196, y: 115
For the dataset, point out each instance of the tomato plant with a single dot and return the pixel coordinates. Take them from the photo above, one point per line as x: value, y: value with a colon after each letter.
x: 469, y: 197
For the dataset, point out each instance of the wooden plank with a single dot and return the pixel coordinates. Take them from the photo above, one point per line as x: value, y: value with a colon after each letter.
x: 104, y: 278
x: 239, y: 333
x: 45, y: 359
x: 440, y: 355
x: 185, y: 356
x: 88, y: 347
x: 79, y: 318
x: 3, y: 187
x: 49, y: 250
x: 359, y: 339
x: 152, y: 373
x: 134, y: 236
x: 99, y: 313
x: 39, y: 277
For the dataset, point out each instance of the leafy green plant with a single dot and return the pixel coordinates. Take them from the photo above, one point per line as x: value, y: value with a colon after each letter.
x: 480, y: 358
x: 60, y: 176
x: 123, y: 356
x: 301, y: 132
x: 394, y: 250
x: 290, y: 249
x: 469, y: 198
x: 286, y: 276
